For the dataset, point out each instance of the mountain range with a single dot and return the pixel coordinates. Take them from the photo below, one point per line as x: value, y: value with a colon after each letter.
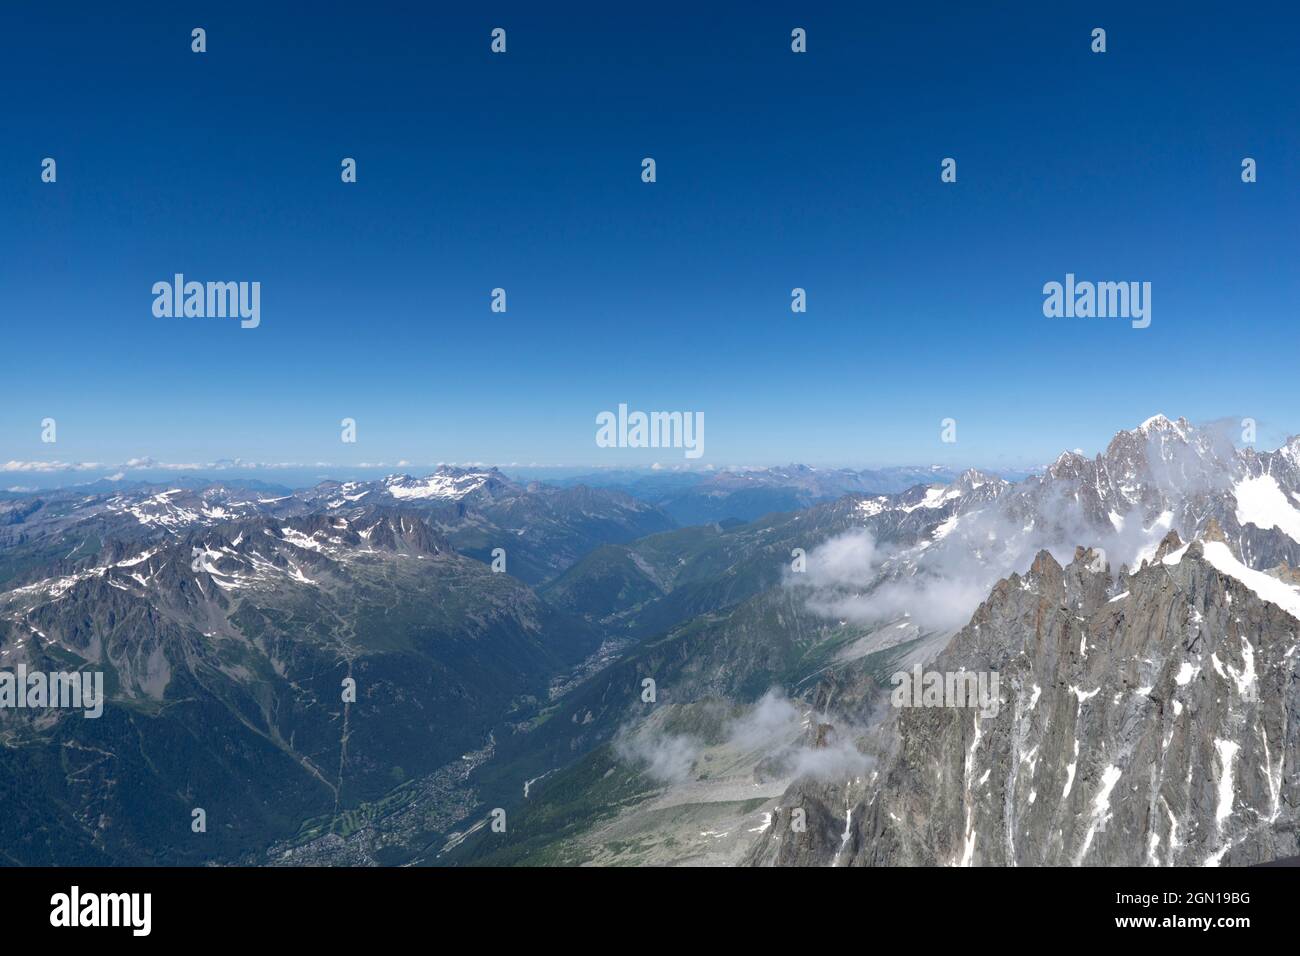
x: 361, y: 672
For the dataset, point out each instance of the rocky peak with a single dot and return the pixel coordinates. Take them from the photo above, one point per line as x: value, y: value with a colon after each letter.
x: 1213, y: 532
x: 1068, y: 464
x: 1168, y: 545
x: 1045, y: 567
x: 1160, y: 423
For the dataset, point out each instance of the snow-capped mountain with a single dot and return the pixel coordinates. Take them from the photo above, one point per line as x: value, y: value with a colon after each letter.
x: 543, y: 529
x: 446, y: 485
x: 1146, y: 684
x: 1168, y: 474
x: 1163, y: 475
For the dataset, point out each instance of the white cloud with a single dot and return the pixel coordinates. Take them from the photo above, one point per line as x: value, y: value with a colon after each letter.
x: 153, y: 464
x: 772, y: 728
x: 49, y: 466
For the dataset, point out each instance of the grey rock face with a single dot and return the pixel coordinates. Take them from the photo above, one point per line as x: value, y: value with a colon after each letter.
x: 1156, y: 726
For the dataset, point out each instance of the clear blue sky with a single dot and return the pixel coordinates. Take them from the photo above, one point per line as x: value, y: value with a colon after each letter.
x: 775, y: 170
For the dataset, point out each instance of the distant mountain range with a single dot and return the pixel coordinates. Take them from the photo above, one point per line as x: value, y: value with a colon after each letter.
x: 543, y: 529
x: 745, y: 494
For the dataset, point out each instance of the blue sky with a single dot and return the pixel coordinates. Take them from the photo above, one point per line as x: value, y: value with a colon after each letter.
x: 522, y: 171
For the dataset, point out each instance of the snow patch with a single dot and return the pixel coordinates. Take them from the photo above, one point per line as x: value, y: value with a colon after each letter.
x: 1261, y: 502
